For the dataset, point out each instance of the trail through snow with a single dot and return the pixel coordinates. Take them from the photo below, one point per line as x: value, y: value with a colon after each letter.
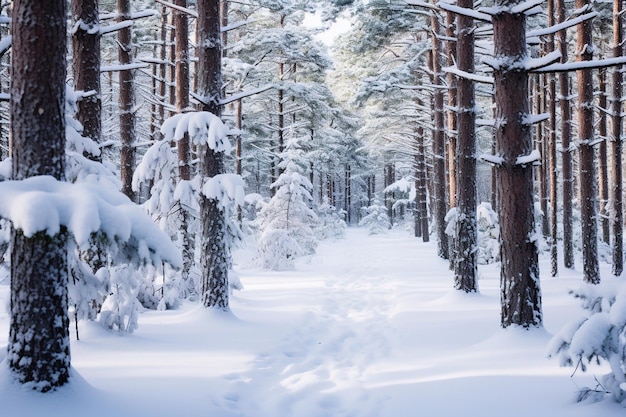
x: 368, y: 327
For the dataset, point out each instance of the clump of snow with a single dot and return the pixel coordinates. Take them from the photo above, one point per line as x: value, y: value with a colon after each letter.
x: 85, y: 208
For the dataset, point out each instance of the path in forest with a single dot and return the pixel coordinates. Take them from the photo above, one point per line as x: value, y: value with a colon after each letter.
x: 317, y: 369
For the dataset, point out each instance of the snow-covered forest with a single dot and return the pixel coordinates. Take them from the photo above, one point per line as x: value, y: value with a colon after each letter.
x: 312, y: 208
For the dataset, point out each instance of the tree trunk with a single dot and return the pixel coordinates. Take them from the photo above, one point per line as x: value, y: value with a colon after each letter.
x: 86, y: 65
x: 38, y: 350
x: 603, y: 167
x: 183, y: 148
x: 554, y: 263
x: 617, y: 217
x: 126, y: 101
x: 519, y: 273
x: 566, y: 136
x: 542, y: 177
x: 420, y: 185
x: 465, y: 265
x: 452, y: 103
x: 438, y: 145
x: 586, y: 164
x: 215, y: 250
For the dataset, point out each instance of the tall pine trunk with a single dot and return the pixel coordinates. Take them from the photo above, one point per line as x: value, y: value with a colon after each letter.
x: 465, y: 266
x: 552, y: 157
x: 126, y: 101
x: 438, y: 144
x: 215, y: 251
x: 617, y: 217
x: 519, y: 273
x: 566, y: 137
x: 587, y: 166
x: 86, y: 65
x: 38, y: 350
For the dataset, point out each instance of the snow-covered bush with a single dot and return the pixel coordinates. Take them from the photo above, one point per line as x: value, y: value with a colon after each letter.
x: 286, y: 221
x: 488, y: 234
x: 331, y: 222
x: 375, y: 218
x: 597, y: 337
x: 121, y: 308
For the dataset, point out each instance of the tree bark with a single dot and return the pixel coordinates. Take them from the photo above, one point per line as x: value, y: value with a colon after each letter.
x: 86, y: 65
x: 438, y: 144
x: 38, y: 350
x: 566, y: 136
x: 519, y: 273
x: 215, y: 250
x: 617, y: 217
x: 126, y: 101
x: 552, y: 157
x: 465, y: 265
x: 586, y: 163
x: 603, y: 167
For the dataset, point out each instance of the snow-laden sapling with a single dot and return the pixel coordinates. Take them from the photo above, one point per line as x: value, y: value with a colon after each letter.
x: 375, y: 218
x: 287, y: 222
x: 599, y: 337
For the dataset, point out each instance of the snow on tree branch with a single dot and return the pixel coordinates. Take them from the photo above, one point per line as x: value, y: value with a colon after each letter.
x: 190, y: 12
x: 225, y: 188
x: 580, y: 65
x: 544, y: 61
x: 531, y: 158
x: 561, y: 26
x: 91, y: 206
x: 115, y: 27
x: 204, y: 128
x: 492, y: 159
x: 124, y: 67
x: 468, y: 76
x: 464, y: 11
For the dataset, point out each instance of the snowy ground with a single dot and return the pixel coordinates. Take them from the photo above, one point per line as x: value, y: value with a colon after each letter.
x: 368, y: 327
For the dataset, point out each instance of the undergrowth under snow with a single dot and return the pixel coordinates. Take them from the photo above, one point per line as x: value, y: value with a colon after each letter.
x: 368, y: 327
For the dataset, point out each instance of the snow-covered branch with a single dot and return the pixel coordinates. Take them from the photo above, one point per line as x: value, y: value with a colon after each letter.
x: 124, y: 67
x: 115, y: 27
x: 561, y: 26
x: 44, y: 204
x: 204, y: 128
x: 580, y: 65
x: 245, y: 94
x: 179, y: 8
x: 492, y: 159
x: 474, y: 14
x: 468, y: 75
x: 544, y: 61
x: 531, y: 158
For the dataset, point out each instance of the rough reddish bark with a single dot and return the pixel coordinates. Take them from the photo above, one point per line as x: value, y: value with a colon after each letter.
x: 617, y: 216
x: 126, y: 101
x: 38, y: 350
x: 519, y: 273
x: 465, y: 265
x: 438, y: 145
x: 566, y: 136
x: 86, y: 65
x: 215, y: 251
x: 586, y: 163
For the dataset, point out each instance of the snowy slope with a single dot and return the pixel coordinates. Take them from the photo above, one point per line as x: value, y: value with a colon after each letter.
x: 368, y: 327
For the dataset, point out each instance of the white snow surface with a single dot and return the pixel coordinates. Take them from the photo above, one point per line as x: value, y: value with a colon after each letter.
x: 368, y: 327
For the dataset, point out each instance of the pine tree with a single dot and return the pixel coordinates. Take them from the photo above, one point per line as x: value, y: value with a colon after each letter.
x: 519, y: 274
x: 39, y: 351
